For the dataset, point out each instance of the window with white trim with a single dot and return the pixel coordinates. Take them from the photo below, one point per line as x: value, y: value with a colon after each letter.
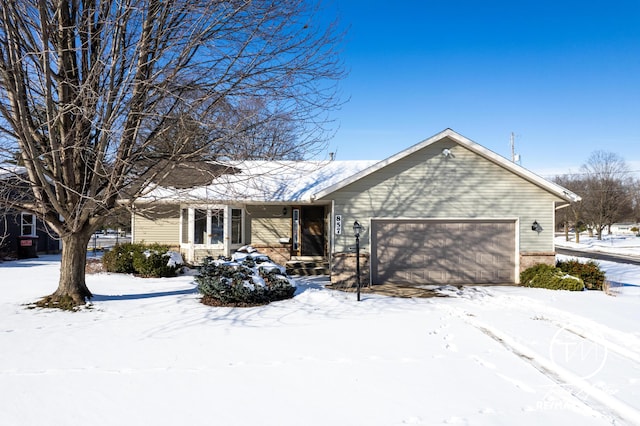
x: 27, y: 225
x: 208, y: 226
x: 184, y: 226
x: 216, y: 229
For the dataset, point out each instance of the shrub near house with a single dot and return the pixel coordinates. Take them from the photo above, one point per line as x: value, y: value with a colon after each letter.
x: 590, y: 272
x: 568, y: 275
x: 547, y: 276
x: 249, y: 279
x: 155, y: 260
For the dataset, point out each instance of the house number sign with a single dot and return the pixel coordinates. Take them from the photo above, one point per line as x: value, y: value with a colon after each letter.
x: 338, y: 224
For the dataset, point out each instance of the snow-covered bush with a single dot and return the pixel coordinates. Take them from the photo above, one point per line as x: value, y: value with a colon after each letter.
x: 120, y: 258
x: 589, y: 272
x: 547, y: 276
x: 154, y: 260
x: 250, y: 279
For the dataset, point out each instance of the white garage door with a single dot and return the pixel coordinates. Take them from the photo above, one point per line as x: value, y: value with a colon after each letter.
x: 443, y: 251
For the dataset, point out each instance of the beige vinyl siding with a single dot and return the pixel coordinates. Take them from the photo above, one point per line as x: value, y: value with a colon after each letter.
x: 428, y: 185
x: 162, y: 228
x: 268, y: 224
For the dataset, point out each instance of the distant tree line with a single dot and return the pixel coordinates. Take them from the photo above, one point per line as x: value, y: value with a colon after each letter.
x: 610, y: 194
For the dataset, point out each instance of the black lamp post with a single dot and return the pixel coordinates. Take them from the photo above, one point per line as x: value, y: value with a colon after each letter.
x: 357, y: 229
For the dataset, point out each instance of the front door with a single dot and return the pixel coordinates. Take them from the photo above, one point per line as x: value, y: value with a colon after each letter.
x: 312, y: 229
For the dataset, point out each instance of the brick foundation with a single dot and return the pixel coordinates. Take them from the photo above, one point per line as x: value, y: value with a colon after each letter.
x: 527, y: 260
x: 343, y: 269
x: 280, y: 254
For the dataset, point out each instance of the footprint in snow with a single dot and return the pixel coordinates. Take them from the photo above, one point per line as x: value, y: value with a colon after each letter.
x: 451, y: 347
x: 456, y: 420
x: 482, y: 362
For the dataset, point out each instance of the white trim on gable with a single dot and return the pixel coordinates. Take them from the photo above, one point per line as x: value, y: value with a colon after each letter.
x: 551, y: 187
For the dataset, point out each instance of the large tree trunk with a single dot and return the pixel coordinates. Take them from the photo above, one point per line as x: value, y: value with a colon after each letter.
x: 72, y: 270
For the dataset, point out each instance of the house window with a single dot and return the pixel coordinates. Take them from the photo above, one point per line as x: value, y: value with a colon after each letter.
x: 217, y: 226
x: 236, y: 226
x: 27, y: 225
x: 212, y: 227
x: 185, y: 226
x: 200, y: 226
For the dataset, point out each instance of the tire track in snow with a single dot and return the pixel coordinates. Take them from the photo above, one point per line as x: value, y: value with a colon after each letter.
x: 595, y: 338
x: 622, y: 343
x: 579, y: 387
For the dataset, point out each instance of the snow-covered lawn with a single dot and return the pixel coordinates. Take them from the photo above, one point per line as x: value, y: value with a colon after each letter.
x: 617, y: 244
x: 148, y: 353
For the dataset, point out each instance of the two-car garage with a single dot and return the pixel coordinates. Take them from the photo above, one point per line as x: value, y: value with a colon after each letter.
x: 443, y: 211
x: 443, y: 251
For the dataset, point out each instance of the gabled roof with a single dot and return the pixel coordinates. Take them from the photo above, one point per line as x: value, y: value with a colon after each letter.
x: 551, y: 187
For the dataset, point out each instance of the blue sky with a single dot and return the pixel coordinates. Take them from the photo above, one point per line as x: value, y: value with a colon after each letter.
x: 563, y: 76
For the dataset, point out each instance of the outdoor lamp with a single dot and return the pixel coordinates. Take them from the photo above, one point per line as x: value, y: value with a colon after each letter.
x: 357, y: 229
x: 535, y: 226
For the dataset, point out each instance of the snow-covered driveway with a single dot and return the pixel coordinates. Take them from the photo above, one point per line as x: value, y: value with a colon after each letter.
x: 586, y: 344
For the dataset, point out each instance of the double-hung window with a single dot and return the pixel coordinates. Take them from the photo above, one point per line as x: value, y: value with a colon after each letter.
x: 27, y: 225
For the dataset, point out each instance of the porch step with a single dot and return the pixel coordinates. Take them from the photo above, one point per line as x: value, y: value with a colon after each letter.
x: 298, y: 267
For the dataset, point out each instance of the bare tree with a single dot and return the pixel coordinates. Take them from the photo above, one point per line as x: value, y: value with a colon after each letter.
x: 635, y: 200
x: 607, y: 190
x: 88, y: 88
x: 5, y: 209
x: 572, y: 215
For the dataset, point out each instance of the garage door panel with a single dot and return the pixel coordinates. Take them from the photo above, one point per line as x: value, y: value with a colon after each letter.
x: 504, y: 275
x: 443, y: 252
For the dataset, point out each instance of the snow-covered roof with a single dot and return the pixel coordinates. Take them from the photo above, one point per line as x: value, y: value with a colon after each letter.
x: 558, y: 190
x: 267, y: 181
x: 304, y: 181
x: 11, y: 170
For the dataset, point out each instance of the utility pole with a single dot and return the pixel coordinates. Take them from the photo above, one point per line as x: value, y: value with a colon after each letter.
x: 513, y: 148
x: 515, y: 158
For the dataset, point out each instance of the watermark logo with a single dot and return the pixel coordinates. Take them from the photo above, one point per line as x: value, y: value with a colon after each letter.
x: 574, y: 352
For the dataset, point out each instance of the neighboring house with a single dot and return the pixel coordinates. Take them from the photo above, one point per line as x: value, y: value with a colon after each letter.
x: 625, y: 228
x: 444, y: 211
x: 23, y: 235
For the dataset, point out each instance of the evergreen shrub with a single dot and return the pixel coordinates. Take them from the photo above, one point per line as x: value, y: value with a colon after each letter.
x: 590, y: 272
x: 144, y: 260
x: 236, y: 284
x: 120, y: 258
x: 547, y: 276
